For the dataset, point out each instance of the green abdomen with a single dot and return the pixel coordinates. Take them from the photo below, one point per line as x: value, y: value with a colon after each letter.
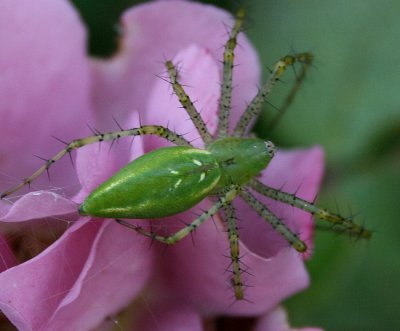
x: 161, y: 183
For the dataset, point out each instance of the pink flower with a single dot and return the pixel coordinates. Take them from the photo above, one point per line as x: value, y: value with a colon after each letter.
x: 49, y: 86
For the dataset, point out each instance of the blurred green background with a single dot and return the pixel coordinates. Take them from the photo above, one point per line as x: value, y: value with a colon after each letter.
x: 349, y: 104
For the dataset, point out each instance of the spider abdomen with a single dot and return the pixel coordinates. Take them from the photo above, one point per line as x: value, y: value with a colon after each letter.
x: 161, y: 183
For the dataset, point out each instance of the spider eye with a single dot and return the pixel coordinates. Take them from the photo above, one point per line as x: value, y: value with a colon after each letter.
x: 270, y: 147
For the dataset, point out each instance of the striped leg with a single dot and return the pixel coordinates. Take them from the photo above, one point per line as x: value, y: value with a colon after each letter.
x: 254, y: 108
x: 345, y: 224
x: 233, y: 237
x: 187, y: 103
x: 110, y: 136
x: 226, y: 88
x: 276, y: 223
x: 177, y: 236
x: 306, y: 62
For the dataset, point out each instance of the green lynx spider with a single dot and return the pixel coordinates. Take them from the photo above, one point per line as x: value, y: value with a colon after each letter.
x: 184, y: 175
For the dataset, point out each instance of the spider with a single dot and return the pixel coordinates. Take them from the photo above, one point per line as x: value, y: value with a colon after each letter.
x: 170, y: 180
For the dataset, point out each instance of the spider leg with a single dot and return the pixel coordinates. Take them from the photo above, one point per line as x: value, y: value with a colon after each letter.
x: 173, y: 238
x: 156, y: 130
x: 276, y: 223
x: 233, y: 237
x: 254, y: 108
x: 346, y: 224
x: 187, y: 103
x: 306, y: 63
x: 226, y: 88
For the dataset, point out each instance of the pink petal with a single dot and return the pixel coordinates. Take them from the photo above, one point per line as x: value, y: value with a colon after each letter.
x: 44, y: 89
x: 276, y: 320
x: 196, y: 272
x: 77, y: 282
x: 31, y: 291
x: 298, y: 170
x: 156, y: 31
x: 96, y: 268
x: 38, y: 205
x: 117, y: 268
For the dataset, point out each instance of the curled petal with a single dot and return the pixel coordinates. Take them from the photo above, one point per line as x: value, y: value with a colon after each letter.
x: 118, y: 267
x: 37, y: 205
x: 55, y: 290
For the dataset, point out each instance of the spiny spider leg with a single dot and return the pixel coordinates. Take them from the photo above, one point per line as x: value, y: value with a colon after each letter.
x: 78, y: 143
x: 233, y: 237
x: 306, y: 63
x: 276, y: 223
x: 187, y: 103
x: 254, y: 108
x: 172, y: 239
x: 346, y: 223
x: 226, y: 88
